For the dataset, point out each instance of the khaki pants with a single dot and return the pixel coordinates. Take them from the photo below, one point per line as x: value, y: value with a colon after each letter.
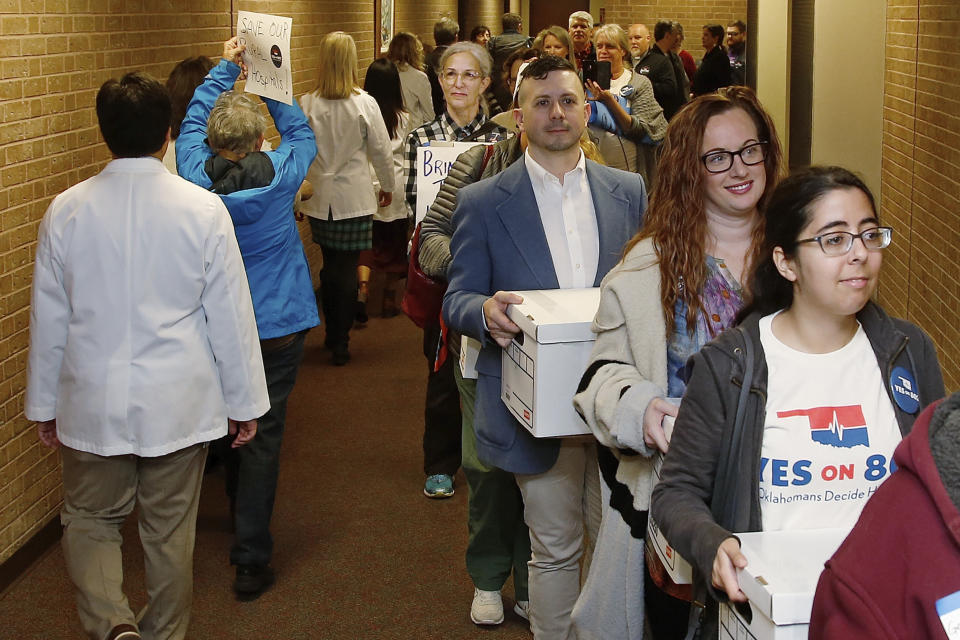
x: 562, y: 509
x: 99, y: 494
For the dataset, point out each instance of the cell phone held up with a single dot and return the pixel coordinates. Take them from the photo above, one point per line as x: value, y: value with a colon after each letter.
x: 598, y: 71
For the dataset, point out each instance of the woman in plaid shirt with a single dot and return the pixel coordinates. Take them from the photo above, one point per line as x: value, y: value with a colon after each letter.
x: 464, y: 76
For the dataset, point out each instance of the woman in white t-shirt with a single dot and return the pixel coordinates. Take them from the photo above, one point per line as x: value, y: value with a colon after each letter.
x: 835, y: 384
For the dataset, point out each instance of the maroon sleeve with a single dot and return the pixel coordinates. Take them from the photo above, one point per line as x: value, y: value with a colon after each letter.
x: 842, y: 609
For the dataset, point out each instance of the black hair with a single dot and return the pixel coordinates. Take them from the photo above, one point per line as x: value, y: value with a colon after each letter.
x: 134, y: 114
x: 788, y: 212
x: 543, y: 65
x: 383, y: 83
x: 717, y: 31
x: 181, y: 83
x: 661, y: 29
x: 739, y: 24
x: 477, y: 30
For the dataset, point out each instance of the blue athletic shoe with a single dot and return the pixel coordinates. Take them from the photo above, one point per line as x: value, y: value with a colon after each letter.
x: 438, y: 486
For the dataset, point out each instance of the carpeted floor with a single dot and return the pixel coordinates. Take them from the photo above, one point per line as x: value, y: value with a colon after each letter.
x: 359, y: 551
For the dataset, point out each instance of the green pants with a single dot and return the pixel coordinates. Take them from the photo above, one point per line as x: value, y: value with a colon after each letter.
x: 498, y: 538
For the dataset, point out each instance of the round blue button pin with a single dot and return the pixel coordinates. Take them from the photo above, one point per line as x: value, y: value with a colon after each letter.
x: 905, y: 391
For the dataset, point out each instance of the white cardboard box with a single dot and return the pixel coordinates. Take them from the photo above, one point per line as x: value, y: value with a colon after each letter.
x: 779, y: 581
x: 469, y: 351
x: 544, y: 363
x: 677, y: 568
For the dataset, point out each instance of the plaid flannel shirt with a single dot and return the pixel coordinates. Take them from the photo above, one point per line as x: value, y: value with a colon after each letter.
x: 442, y: 128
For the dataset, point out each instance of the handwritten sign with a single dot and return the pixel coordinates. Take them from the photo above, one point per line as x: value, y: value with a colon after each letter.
x: 267, y: 55
x: 433, y: 165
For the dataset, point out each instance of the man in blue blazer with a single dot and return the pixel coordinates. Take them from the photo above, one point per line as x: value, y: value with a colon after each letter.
x: 553, y: 220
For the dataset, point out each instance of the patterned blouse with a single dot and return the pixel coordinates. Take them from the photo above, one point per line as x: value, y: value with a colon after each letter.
x: 721, y: 298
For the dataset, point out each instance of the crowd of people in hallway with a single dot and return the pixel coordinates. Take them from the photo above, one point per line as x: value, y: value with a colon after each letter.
x: 172, y: 297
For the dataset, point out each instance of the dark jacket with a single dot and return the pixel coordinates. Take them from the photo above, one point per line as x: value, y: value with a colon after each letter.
x: 686, y: 502
x: 667, y: 87
x: 714, y: 72
x: 500, y: 48
x: 437, y: 227
x: 903, y: 555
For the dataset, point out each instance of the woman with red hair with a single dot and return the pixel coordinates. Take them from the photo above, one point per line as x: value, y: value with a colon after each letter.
x: 677, y: 287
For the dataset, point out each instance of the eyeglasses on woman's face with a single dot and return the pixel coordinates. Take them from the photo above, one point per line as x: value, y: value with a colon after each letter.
x: 450, y: 76
x: 720, y: 161
x: 839, y: 243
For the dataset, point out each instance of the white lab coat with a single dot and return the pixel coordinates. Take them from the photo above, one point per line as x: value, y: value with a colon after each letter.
x: 398, y: 209
x: 142, y: 333
x: 350, y: 133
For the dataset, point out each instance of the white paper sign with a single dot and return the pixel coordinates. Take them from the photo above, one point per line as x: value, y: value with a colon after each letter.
x: 433, y: 165
x: 267, y: 55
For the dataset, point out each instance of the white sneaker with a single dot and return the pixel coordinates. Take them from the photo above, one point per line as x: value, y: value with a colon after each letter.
x: 487, y: 607
x: 522, y: 609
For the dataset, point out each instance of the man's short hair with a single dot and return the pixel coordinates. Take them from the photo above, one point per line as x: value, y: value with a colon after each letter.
x: 739, y: 24
x: 134, y: 114
x: 445, y: 32
x: 543, y: 66
x: 662, y: 29
x: 581, y: 15
x: 511, y: 22
x: 235, y: 123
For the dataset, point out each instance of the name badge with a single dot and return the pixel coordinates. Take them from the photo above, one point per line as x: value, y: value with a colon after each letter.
x: 904, y: 388
x: 948, y: 608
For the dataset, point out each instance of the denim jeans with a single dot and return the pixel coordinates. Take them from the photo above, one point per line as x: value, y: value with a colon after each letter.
x: 253, y: 468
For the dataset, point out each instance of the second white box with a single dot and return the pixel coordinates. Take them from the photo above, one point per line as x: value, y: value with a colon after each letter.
x: 779, y: 581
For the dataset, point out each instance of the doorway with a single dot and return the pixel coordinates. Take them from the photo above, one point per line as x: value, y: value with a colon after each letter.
x: 544, y: 13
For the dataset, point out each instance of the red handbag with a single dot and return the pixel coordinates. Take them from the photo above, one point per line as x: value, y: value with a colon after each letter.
x: 423, y: 297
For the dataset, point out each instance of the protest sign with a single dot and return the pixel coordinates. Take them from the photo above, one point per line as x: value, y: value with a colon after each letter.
x: 267, y: 55
x: 433, y: 165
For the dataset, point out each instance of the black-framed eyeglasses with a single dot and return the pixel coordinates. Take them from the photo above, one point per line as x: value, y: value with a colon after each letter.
x: 720, y: 161
x: 839, y: 243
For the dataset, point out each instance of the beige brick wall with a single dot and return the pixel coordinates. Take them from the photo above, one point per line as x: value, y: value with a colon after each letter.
x: 920, y: 179
x: 419, y: 16
x: 488, y: 12
x: 692, y: 14
x: 54, y: 55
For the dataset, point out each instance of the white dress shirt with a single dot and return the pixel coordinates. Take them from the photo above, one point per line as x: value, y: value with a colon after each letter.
x: 569, y: 222
x: 142, y: 334
x: 350, y: 134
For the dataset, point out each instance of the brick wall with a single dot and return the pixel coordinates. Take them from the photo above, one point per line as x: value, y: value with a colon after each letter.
x: 419, y: 16
x: 692, y: 14
x: 475, y: 12
x: 920, y: 175
x: 54, y: 55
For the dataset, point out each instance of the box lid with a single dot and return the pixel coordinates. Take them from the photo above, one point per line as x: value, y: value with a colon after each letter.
x: 783, y: 570
x: 556, y: 315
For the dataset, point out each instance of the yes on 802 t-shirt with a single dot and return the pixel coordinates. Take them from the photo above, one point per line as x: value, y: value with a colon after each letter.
x: 829, y: 436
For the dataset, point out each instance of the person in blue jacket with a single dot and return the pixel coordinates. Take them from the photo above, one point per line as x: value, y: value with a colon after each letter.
x: 218, y: 149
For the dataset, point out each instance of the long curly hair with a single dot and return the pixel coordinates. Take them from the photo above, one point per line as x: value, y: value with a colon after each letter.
x: 676, y: 220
